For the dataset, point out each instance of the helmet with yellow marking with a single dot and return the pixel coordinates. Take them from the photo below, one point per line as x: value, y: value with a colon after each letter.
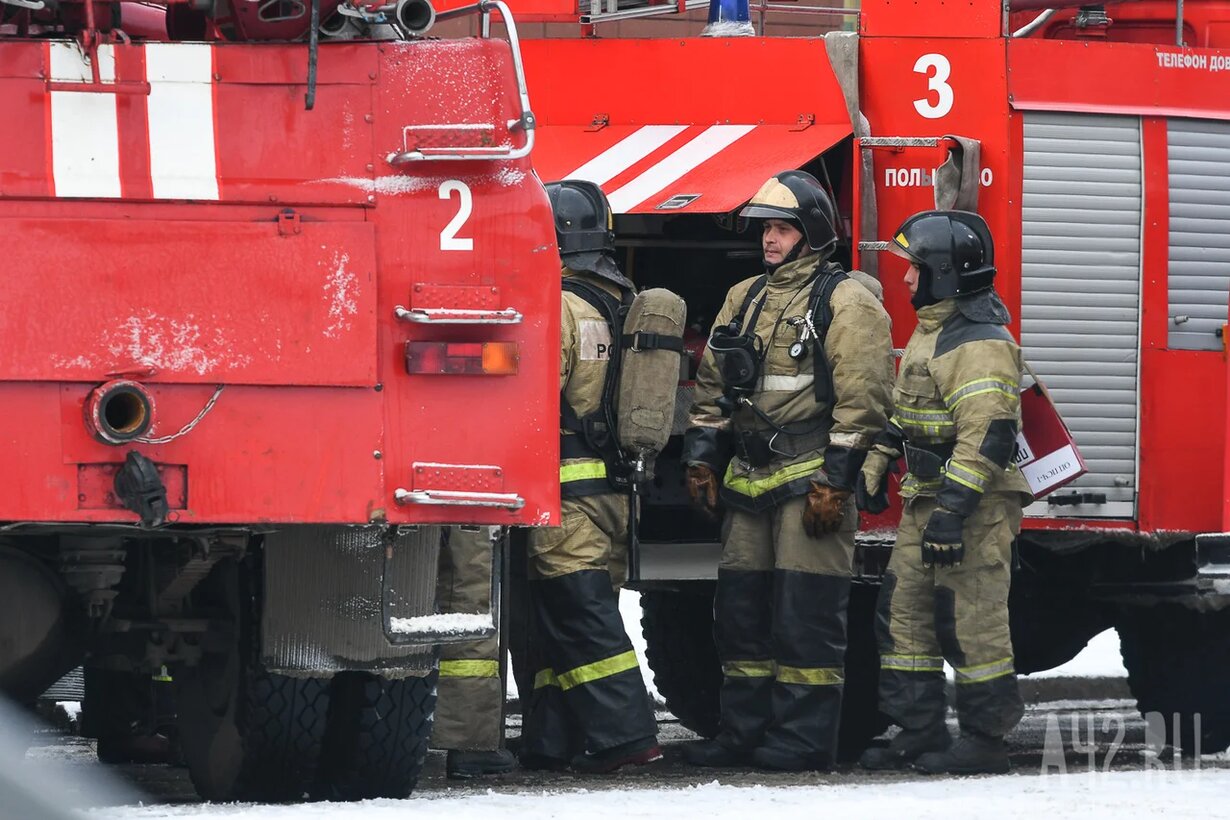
x: 953, y: 251
x: 797, y: 197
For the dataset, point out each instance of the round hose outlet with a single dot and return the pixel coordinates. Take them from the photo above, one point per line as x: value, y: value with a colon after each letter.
x: 119, y: 411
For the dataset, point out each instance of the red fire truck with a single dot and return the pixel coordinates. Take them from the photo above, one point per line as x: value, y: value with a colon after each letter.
x: 1097, y: 143
x: 274, y: 312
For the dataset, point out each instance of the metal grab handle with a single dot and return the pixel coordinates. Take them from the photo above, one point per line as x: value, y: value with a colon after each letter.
x: 459, y: 498
x: 458, y: 316
x: 524, y: 122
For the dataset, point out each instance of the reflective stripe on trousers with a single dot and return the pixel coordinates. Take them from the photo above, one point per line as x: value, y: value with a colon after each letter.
x: 912, y: 663
x: 985, y: 671
x: 806, y: 676
x: 588, y: 673
x: 469, y: 669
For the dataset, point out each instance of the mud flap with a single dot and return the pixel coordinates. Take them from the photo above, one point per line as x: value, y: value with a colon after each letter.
x: 328, y: 592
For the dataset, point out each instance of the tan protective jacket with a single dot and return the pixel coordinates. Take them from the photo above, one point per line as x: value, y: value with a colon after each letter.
x: 959, y: 389
x: 859, y: 351
x: 585, y: 351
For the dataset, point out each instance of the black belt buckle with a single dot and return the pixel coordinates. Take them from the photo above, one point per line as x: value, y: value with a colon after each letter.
x: 753, y: 448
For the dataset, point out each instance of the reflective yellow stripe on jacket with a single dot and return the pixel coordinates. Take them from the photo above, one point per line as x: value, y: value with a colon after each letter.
x: 978, y: 387
x: 753, y: 487
x: 581, y: 470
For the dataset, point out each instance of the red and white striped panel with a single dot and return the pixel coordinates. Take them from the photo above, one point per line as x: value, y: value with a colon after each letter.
x: 108, y: 146
x: 679, y: 168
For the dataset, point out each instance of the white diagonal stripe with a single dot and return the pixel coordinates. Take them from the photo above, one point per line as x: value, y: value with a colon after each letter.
x: 85, y: 131
x: 710, y: 142
x: 183, y: 159
x: 627, y: 152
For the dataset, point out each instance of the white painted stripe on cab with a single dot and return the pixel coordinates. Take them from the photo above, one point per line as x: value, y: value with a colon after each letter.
x: 183, y: 156
x: 85, y: 133
x: 707, y: 144
x: 627, y: 152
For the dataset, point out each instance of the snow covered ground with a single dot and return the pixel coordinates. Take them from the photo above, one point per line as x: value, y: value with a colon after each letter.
x: 1090, y: 796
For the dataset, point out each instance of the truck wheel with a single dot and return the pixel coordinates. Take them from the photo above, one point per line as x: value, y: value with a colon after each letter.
x: 1052, y: 618
x: 247, y: 734
x: 377, y: 738
x: 1178, y: 663
x: 861, y: 719
x: 678, y: 629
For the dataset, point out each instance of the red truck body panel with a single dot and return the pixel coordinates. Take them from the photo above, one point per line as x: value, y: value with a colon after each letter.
x: 213, y: 232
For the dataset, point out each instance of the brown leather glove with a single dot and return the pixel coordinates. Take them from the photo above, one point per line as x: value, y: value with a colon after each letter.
x: 825, y: 509
x: 703, y: 487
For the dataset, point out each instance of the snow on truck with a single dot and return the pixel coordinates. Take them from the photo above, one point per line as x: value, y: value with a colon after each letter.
x: 262, y: 301
x: 1096, y: 143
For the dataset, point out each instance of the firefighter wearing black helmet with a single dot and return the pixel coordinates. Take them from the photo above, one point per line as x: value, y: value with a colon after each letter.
x: 792, y: 389
x: 588, y: 709
x: 955, y: 418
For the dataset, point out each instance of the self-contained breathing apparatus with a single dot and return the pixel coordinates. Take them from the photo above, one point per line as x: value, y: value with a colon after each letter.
x: 741, y: 356
x: 633, y: 421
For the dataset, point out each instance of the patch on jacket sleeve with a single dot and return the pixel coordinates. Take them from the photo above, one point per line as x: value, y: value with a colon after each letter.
x: 595, y: 340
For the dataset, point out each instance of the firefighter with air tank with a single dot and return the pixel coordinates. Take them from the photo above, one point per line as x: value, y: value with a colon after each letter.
x: 790, y: 393
x: 589, y: 710
x: 945, y: 594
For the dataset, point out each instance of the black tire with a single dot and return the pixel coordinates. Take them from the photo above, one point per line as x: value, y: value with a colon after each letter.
x: 1052, y: 620
x: 1178, y: 662
x: 378, y: 735
x: 861, y: 719
x: 678, y: 630
x: 247, y: 734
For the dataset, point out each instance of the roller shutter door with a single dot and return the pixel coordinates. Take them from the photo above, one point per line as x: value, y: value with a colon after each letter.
x: 1080, y: 294
x: 1199, y: 162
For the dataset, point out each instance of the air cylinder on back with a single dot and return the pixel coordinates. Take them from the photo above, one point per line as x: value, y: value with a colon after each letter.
x: 649, y: 374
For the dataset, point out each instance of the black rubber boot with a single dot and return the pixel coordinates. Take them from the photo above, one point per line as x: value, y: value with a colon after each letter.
x: 716, y: 754
x: 635, y: 753
x: 905, y: 748
x: 782, y: 760
x: 461, y: 765
x: 971, y: 754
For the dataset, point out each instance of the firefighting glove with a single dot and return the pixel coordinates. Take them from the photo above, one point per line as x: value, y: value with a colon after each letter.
x: 825, y: 509
x: 703, y: 487
x: 941, y: 539
x: 871, y: 488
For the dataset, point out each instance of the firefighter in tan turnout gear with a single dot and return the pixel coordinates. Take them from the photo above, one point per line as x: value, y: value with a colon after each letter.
x: 945, y: 595
x: 791, y: 391
x: 469, y: 720
x: 589, y: 709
